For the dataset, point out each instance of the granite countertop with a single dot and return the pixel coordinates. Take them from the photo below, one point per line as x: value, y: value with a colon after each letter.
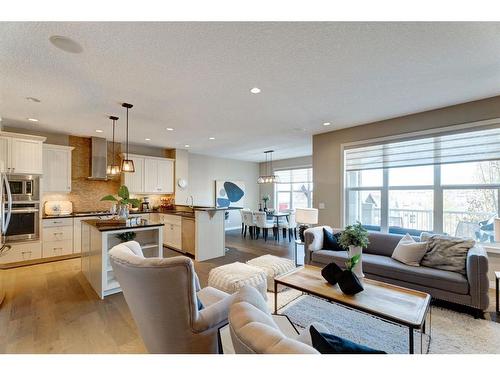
x: 111, y: 227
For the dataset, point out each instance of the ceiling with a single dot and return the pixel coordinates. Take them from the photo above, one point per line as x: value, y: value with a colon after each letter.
x: 195, y: 77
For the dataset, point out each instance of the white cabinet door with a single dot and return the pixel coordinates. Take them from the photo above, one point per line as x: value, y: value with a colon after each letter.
x: 151, y: 176
x: 4, y: 152
x: 135, y: 181
x: 26, y: 156
x: 166, y: 176
x: 77, y: 232
x: 56, y: 169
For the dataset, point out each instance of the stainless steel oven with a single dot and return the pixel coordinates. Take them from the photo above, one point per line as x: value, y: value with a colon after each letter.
x: 24, y: 188
x: 24, y: 222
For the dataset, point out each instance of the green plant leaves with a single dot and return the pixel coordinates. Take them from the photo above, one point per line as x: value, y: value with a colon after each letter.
x: 109, y: 198
x: 352, y: 261
x: 123, y: 192
x: 354, y: 235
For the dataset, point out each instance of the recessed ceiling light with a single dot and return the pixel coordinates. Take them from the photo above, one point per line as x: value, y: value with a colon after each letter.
x: 99, y: 131
x: 33, y: 119
x: 211, y: 138
x: 148, y: 139
x: 255, y: 90
x: 187, y: 146
x: 170, y: 129
x: 66, y: 44
x: 32, y: 99
x: 327, y: 123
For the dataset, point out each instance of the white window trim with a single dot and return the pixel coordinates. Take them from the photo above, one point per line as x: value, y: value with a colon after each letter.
x: 275, y: 191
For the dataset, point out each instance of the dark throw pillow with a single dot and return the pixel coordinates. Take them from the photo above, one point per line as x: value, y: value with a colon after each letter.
x: 200, y: 305
x: 326, y: 343
x: 331, y: 241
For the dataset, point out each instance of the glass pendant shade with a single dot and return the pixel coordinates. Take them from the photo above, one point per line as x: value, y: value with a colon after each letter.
x: 113, y: 169
x: 128, y: 165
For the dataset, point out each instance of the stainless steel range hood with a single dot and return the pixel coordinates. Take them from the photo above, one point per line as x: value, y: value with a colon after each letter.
x: 98, y: 159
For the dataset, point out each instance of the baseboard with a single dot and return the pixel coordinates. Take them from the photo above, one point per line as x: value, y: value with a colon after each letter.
x: 233, y: 228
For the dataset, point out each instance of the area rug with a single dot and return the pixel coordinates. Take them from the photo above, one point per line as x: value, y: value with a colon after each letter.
x: 452, y: 332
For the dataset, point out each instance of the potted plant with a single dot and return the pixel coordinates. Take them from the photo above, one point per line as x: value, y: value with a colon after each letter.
x: 123, y: 202
x: 348, y: 282
x: 126, y: 236
x: 354, y: 238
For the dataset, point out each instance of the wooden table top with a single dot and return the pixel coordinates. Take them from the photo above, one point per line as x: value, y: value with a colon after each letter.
x: 397, y: 304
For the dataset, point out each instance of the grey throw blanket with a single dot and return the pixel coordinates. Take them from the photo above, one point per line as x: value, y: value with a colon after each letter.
x: 445, y: 252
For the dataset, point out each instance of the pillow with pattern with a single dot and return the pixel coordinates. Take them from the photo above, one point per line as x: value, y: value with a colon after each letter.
x: 446, y: 252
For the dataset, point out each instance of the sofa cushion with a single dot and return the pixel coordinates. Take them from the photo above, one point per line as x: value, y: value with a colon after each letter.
x: 390, y: 268
x: 382, y: 243
x: 331, y: 241
x: 409, y: 251
x: 446, y: 252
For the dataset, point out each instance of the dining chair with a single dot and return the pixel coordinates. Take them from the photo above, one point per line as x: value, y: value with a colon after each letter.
x: 261, y: 222
x: 289, y: 225
x: 249, y: 223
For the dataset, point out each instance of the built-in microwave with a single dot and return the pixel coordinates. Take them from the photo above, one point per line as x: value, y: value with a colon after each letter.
x: 24, y: 188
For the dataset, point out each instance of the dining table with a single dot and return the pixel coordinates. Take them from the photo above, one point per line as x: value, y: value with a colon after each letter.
x: 277, y: 216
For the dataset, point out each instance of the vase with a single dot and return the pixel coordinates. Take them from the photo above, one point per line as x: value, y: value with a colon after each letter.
x: 358, y: 268
x: 123, y: 211
x: 331, y: 273
x: 349, y: 283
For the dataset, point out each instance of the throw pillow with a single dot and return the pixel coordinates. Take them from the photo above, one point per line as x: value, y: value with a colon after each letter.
x: 326, y: 343
x: 331, y: 241
x: 446, y: 252
x: 409, y: 251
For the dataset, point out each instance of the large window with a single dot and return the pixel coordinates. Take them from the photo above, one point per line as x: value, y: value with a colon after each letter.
x: 451, y: 195
x: 295, y: 189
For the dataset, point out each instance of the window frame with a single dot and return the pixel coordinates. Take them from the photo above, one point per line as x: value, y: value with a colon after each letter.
x: 438, y: 193
x: 290, y: 191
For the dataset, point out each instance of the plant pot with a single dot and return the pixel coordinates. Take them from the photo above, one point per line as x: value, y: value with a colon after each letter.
x: 358, y: 268
x: 331, y: 273
x: 123, y: 211
x: 349, y: 283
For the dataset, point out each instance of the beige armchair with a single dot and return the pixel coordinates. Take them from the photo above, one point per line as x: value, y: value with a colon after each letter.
x: 163, y: 295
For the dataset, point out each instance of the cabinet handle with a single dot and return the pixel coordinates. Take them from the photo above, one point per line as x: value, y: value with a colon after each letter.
x: 26, y: 252
x: 57, y: 222
x: 57, y: 248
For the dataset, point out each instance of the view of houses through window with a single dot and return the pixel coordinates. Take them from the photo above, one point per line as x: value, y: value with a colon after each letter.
x: 295, y: 189
x: 457, y: 199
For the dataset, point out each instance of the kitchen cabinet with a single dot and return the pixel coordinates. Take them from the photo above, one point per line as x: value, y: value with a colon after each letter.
x: 135, y: 181
x: 172, y: 231
x: 56, y: 168
x: 57, y: 237
x: 153, y: 175
x: 21, y: 154
x: 21, y: 252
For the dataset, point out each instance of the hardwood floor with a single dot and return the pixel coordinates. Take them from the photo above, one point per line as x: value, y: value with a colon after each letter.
x: 51, y: 308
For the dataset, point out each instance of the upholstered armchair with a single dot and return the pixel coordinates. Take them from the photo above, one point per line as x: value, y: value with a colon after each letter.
x: 163, y: 296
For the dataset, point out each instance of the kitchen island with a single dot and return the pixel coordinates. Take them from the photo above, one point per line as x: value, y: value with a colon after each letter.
x: 98, y: 238
x: 196, y: 231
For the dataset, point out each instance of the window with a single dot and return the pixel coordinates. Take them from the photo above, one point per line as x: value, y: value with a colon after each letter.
x: 295, y: 189
x: 426, y: 185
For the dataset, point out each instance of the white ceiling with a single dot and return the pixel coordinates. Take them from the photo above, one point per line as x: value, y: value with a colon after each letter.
x: 196, y: 77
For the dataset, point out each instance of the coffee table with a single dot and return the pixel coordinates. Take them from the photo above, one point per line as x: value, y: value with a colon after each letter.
x: 402, y: 306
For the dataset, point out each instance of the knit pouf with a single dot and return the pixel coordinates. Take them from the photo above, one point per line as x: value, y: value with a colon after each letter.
x: 273, y: 266
x: 232, y: 277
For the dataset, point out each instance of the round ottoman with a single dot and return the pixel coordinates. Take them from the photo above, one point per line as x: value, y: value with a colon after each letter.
x: 273, y: 266
x: 232, y: 277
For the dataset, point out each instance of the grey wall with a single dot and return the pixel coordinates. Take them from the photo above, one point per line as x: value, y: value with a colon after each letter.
x: 327, y: 167
x: 205, y: 170
x: 305, y: 161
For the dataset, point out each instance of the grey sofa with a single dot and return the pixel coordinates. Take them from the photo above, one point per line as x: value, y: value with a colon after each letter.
x: 470, y: 290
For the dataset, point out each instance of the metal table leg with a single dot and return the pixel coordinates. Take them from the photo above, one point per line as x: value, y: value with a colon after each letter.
x: 410, y: 341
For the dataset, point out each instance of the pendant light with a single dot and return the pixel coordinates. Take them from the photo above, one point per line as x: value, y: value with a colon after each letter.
x: 113, y: 168
x: 269, y: 177
x: 127, y: 164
